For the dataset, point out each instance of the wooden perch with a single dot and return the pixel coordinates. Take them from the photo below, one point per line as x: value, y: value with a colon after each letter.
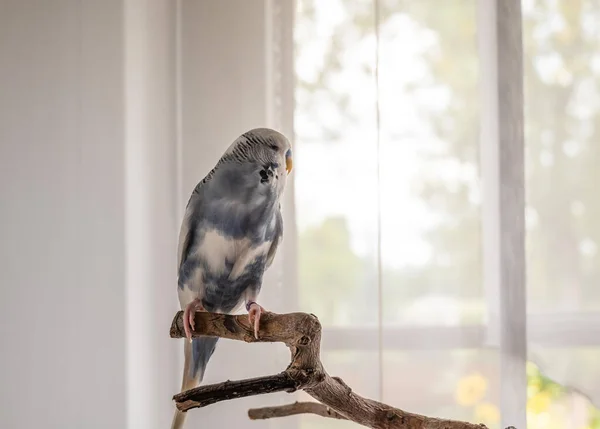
x: 293, y: 409
x: 301, y: 332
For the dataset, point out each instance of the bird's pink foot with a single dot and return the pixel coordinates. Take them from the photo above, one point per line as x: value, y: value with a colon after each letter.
x: 254, y: 312
x: 189, y: 323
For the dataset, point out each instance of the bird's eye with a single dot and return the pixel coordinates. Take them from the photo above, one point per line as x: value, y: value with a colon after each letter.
x: 274, y: 147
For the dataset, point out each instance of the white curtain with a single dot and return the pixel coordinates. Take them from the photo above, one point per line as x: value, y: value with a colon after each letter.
x: 393, y: 172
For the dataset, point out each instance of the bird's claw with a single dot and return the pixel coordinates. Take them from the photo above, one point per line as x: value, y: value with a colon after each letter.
x: 189, y: 322
x: 254, y: 312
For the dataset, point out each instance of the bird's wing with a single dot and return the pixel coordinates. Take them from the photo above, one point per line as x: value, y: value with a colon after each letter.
x: 268, y: 249
x: 277, y: 238
x: 188, y: 226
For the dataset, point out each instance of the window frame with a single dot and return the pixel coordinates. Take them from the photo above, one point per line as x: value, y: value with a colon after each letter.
x: 502, y: 168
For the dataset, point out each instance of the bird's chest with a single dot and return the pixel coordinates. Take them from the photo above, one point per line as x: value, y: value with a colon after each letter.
x: 229, y: 267
x: 220, y: 254
x: 240, y: 208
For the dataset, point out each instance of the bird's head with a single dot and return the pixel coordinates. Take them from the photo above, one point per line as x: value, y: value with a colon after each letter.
x: 264, y: 146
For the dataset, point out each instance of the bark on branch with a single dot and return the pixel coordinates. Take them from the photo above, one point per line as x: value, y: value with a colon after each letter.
x: 301, y: 332
x: 293, y: 409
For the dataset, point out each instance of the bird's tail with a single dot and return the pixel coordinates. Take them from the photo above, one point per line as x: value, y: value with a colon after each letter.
x: 197, y: 355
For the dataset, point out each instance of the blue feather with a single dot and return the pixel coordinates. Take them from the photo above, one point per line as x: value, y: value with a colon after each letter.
x: 236, y: 206
x: 202, y: 350
x: 225, y: 294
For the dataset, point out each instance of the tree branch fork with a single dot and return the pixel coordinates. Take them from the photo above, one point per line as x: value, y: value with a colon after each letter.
x: 301, y: 332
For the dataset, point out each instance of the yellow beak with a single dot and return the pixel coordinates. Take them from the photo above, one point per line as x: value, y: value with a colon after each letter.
x: 288, y: 164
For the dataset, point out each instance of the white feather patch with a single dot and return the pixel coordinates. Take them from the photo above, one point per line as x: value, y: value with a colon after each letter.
x: 247, y: 257
x: 217, y: 249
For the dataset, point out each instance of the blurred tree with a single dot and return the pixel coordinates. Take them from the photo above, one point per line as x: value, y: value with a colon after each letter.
x: 562, y: 72
x: 329, y: 270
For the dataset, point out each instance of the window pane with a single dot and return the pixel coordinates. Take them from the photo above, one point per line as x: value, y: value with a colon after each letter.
x: 552, y: 405
x: 562, y: 109
x: 562, y: 126
x: 459, y: 384
x: 562, y: 130
x: 430, y: 182
x: 336, y: 160
x: 456, y: 384
x: 429, y: 169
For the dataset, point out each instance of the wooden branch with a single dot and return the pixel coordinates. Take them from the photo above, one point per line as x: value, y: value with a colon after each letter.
x: 203, y: 396
x: 301, y: 332
x: 293, y: 409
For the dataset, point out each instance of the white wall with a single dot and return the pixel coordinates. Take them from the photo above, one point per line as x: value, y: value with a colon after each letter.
x: 62, y: 247
x: 88, y: 223
x: 152, y: 223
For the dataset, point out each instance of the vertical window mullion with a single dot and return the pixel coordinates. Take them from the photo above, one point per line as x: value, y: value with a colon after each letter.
x: 280, y: 77
x: 503, y: 176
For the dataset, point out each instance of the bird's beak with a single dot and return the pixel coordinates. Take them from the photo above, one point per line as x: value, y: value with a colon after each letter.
x: 288, y: 161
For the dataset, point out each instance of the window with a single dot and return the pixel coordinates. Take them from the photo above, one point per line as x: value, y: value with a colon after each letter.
x: 389, y: 205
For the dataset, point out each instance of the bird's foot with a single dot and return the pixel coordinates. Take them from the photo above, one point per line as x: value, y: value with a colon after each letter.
x: 254, y: 312
x: 189, y: 323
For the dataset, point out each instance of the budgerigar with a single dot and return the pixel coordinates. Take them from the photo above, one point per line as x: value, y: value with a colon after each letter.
x: 229, y: 235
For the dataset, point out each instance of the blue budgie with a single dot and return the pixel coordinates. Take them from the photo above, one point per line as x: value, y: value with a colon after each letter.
x: 229, y: 235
